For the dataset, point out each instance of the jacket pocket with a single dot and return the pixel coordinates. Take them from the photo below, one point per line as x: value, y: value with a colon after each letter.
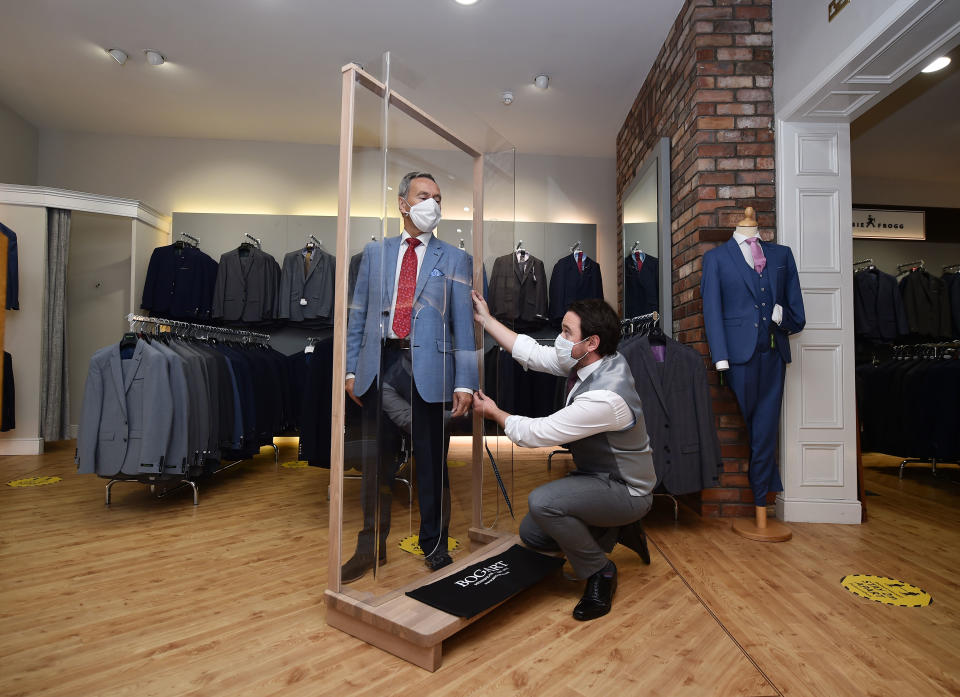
x: 107, y: 436
x: 444, y: 346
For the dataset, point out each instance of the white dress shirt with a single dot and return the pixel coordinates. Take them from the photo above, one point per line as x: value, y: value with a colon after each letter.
x: 777, y: 313
x: 586, y: 413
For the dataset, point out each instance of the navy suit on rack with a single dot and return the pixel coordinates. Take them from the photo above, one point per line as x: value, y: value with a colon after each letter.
x: 737, y: 311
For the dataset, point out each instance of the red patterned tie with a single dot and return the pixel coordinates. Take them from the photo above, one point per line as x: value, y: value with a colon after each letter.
x: 405, y: 287
x: 580, y: 261
x: 571, y: 381
x: 636, y: 255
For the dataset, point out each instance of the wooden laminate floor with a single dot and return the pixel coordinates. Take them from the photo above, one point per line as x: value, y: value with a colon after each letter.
x: 158, y: 597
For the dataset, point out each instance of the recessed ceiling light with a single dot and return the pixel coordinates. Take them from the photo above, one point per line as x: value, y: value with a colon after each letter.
x: 938, y: 64
x: 466, y: 208
x: 466, y: 2
x: 117, y: 55
x: 541, y: 81
x: 507, y: 97
x: 154, y: 57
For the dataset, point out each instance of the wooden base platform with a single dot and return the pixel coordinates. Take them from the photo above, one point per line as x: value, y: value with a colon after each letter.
x: 406, y: 627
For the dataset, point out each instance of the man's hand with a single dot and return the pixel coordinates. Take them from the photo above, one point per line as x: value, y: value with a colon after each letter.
x: 481, y: 311
x: 488, y: 409
x: 348, y: 386
x: 461, y: 404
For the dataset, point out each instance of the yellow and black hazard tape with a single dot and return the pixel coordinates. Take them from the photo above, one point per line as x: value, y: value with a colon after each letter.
x: 34, y: 481
x: 889, y: 591
x: 411, y: 544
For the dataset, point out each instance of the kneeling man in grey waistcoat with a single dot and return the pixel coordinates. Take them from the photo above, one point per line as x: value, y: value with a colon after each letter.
x: 602, y: 501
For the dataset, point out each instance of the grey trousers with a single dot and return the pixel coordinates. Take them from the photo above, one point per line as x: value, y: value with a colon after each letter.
x: 574, y: 514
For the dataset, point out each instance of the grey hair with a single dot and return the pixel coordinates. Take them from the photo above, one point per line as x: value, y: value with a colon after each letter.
x: 404, y: 187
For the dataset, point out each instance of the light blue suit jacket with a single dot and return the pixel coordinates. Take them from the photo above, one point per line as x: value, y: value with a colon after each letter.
x: 441, y: 335
x: 731, y: 306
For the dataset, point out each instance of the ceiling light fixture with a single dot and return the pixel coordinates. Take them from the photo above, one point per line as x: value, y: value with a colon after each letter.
x: 541, y: 81
x: 938, y: 64
x: 154, y: 57
x: 466, y: 2
x: 117, y: 55
x: 507, y: 97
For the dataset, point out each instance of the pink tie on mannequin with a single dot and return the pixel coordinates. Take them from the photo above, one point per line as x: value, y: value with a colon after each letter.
x: 759, y: 260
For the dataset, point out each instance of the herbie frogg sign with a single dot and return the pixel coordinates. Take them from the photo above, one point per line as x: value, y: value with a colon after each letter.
x: 878, y: 224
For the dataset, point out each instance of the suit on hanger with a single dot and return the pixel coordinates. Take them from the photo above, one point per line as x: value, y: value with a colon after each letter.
x: 13, y: 269
x: 878, y: 312
x: 568, y: 283
x: 179, y: 283
x: 678, y: 411
x: 247, y: 287
x: 518, y: 292
x: 315, y: 286
x: 641, y: 288
x: 737, y: 312
x: 127, y: 413
x: 926, y: 300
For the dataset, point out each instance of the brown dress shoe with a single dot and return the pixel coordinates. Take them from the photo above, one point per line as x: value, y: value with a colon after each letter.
x: 359, y: 564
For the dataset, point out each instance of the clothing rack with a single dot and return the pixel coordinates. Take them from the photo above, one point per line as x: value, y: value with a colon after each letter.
x: 911, y: 265
x: 256, y: 240
x: 151, y: 480
x: 576, y: 248
x: 190, y: 326
x: 313, y: 242
x: 866, y: 263
x: 951, y: 268
x: 636, y: 247
x: 948, y: 350
x: 634, y: 325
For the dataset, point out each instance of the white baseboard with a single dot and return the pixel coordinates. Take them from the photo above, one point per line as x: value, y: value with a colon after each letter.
x: 21, y: 446
x: 842, y: 511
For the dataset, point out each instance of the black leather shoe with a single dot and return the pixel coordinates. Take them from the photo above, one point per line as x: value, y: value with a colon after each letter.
x: 438, y: 560
x: 635, y: 538
x: 598, y: 595
x: 359, y: 564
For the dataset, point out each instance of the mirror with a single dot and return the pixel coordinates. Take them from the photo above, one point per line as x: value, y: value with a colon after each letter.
x: 646, y: 265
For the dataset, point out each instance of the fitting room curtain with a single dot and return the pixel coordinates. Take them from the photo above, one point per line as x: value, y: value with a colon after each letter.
x: 55, y: 384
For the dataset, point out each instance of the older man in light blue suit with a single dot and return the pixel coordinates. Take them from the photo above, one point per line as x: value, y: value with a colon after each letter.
x: 411, y: 325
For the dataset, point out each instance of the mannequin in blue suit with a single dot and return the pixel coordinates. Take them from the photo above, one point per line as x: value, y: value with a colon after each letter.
x: 748, y: 316
x: 431, y: 362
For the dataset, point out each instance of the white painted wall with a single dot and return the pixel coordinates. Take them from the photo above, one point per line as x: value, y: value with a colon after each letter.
x: 18, y: 145
x: 220, y: 176
x: 24, y: 326
x: 806, y: 45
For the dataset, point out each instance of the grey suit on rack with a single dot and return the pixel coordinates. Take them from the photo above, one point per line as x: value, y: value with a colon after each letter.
x: 176, y: 460
x: 127, y: 413
x: 246, y: 288
x: 316, y: 286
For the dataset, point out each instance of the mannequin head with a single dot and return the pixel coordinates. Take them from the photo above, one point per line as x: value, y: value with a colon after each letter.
x: 747, y: 226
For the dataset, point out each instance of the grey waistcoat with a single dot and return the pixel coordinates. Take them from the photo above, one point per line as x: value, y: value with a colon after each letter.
x: 624, y: 455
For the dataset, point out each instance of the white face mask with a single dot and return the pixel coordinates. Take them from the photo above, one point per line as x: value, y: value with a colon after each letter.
x: 564, y: 348
x: 425, y: 215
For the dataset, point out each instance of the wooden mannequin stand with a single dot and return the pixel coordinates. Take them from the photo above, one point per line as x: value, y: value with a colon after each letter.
x: 761, y: 529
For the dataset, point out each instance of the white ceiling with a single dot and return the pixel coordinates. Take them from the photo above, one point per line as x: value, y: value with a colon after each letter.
x: 914, y: 133
x: 270, y: 69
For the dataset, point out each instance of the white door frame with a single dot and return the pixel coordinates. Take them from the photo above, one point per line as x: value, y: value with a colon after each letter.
x: 818, y: 438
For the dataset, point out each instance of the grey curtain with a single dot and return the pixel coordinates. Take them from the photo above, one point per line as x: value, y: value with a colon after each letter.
x: 54, y: 380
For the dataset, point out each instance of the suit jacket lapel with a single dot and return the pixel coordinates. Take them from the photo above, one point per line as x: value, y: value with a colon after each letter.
x: 117, y: 372
x: 670, y: 367
x: 391, y: 247
x: 521, y: 273
x: 430, y: 259
x: 738, y: 263
x: 649, y: 365
x: 771, y: 269
x: 134, y: 367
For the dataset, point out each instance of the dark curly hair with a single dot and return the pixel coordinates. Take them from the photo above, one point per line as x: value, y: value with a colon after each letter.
x: 597, y: 317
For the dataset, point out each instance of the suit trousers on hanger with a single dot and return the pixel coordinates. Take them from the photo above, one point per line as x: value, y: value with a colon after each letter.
x: 758, y: 384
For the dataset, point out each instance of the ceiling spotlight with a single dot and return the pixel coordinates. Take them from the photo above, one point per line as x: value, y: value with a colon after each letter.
x: 117, y: 55
x: 938, y: 64
x: 154, y: 57
x: 541, y: 81
x: 507, y: 97
x: 466, y: 2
